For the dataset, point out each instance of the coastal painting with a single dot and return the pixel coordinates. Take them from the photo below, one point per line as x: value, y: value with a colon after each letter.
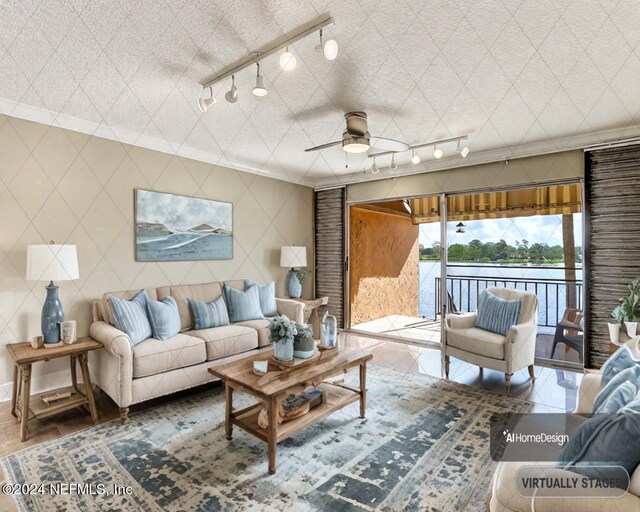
x: 172, y: 227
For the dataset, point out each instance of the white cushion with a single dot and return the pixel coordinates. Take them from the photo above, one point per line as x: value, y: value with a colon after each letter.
x: 153, y: 356
x: 477, y: 341
x: 227, y: 340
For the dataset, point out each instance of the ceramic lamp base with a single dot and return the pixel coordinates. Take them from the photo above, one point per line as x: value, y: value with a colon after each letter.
x: 294, y: 286
x: 52, y: 315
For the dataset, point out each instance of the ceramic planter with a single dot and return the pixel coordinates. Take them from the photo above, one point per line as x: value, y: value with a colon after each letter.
x: 304, y: 347
x: 632, y: 328
x: 283, y: 350
x: 614, y: 332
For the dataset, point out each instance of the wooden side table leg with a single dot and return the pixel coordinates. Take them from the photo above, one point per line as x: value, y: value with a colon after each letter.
x: 26, y: 390
x: 228, y: 426
x: 272, y: 434
x: 14, y: 394
x: 88, y: 390
x: 363, y: 389
x: 74, y: 374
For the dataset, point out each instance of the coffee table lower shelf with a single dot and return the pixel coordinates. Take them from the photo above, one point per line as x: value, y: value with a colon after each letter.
x: 337, y: 397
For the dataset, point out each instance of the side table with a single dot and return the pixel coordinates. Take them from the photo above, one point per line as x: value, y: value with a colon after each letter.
x: 26, y: 407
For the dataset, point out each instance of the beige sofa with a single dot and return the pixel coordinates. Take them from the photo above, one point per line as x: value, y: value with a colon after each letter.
x: 505, y: 498
x: 153, y: 368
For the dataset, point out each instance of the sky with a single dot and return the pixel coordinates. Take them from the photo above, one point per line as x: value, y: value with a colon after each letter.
x: 182, y: 212
x: 537, y: 229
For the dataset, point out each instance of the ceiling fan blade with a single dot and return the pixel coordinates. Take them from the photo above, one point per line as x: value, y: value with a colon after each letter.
x: 324, y: 146
x: 384, y: 144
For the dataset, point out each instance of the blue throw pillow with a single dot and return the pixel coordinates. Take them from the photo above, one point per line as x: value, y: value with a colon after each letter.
x: 131, y: 316
x: 244, y: 305
x: 603, y: 440
x: 624, y: 379
x: 620, y: 360
x: 496, y: 314
x: 267, y: 293
x: 209, y: 314
x: 164, y: 318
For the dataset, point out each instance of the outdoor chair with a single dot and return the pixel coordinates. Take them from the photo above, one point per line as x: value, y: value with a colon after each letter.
x: 570, y: 332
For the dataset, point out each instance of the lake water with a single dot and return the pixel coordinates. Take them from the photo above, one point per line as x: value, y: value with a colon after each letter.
x: 552, y: 297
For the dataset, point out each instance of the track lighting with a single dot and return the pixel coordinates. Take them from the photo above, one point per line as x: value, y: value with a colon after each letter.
x: 374, y: 168
x: 204, y: 104
x: 464, y: 151
x: 460, y: 227
x: 393, y: 165
x: 232, y: 94
x: 259, y: 90
x: 437, y: 153
x: 329, y: 47
x: 415, y: 159
x: 288, y: 60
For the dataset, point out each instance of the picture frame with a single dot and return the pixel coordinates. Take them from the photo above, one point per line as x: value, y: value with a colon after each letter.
x: 68, y: 330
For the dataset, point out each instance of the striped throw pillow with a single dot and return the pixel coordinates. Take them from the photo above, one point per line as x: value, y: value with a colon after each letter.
x: 131, y: 316
x: 496, y: 314
x: 243, y: 305
x: 209, y: 314
x: 163, y: 317
x: 267, y: 293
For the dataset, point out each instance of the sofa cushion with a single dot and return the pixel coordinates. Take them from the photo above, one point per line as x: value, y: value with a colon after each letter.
x: 478, y: 341
x: 619, y: 361
x: 203, y: 292
x: 262, y: 327
x: 227, y: 340
x: 243, y: 306
x: 163, y: 317
x: 209, y: 314
x: 156, y: 356
x: 619, y: 391
x: 105, y: 307
x: 497, y: 315
x: 131, y: 316
x: 267, y: 294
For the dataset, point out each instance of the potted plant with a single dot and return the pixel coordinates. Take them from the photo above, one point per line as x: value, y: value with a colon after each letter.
x: 304, y: 345
x: 629, y: 308
x: 282, y: 332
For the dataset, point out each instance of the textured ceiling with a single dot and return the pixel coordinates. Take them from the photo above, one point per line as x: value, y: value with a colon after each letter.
x: 512, y: 74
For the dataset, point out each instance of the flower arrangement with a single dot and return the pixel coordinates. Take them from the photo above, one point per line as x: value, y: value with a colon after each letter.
x: 282, y: 330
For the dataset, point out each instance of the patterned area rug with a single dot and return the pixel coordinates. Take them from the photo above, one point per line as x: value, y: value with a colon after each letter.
x: 424, y: 445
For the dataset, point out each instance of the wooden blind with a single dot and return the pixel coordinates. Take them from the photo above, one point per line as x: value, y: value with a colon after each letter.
x: 329, y: 223
x: 612, y: 185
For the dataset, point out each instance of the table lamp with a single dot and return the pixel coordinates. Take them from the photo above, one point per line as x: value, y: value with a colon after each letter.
x: 53, y: 262
x: 292, y: 256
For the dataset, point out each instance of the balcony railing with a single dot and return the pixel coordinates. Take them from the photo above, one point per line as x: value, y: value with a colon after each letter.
x: 553, y: 294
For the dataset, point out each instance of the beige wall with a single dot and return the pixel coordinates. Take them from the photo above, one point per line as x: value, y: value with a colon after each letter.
x: 70, y: 187
x: 555, y: 167
x: 383, y: 263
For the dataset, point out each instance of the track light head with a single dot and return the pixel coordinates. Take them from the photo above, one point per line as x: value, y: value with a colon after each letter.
x: 288, y: 60
x: 393, y: 165
x: 464, y: 152
x: 205, y: 103
x: 374, y: 168
x: 415, y: 159
x: 232, y: 94
x: 318, y: 47
x: 437, y: 153
x: 330, y: 49
x: 259, y: 90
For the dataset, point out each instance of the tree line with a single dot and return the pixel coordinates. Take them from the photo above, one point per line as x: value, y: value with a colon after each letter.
x: 499, y: 252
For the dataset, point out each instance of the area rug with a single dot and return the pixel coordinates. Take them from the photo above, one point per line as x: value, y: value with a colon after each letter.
x: 424, y: 445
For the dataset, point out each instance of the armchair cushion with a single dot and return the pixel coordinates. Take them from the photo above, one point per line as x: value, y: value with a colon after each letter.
x: 477, y: 341
x: 267, y: 294
x: 497, y: 315
x: 618, y: 362
x: 130, y: 316
x: 618, y: 392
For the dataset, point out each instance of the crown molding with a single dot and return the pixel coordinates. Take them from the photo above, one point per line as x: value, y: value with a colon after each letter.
x: 104, y: 131
x: 575, y: 142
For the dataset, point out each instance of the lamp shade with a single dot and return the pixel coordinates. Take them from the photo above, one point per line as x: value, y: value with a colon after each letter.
x: 53, y: 262
x: 293, y: 256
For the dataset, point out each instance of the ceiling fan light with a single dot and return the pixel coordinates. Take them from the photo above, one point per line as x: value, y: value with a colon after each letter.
x: 415, y: 159
x: 288, y: 60
x: 205, y: 103
x: 356, y: 147
x: 437, y: 153
x: 464, y: 152
x: 330, y: 49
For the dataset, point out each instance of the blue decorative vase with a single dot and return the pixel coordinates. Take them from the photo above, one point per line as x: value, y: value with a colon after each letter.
x: 294, y: 286
x: 52, y: 315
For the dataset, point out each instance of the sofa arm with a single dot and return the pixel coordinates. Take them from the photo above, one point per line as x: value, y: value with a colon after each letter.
x: 589, y: 388
x: 464, y: 321
x: 291, y: 308
x: 113, y: 340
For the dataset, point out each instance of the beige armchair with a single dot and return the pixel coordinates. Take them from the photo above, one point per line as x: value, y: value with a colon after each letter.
x: 508, y: 354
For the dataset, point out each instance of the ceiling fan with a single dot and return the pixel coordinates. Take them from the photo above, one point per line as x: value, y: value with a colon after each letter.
x: 356, y: 138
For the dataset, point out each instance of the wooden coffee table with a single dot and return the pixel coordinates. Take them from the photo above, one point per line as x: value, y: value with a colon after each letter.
x: 271, y: 388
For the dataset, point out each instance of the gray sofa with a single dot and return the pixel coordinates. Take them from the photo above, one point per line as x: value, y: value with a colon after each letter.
x: 153, y: 368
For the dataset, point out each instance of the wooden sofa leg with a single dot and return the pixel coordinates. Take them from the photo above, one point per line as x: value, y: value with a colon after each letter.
x: 124, y: 414
x: 446, y: 367
x: 507, y: 383
x: 532, y: 373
